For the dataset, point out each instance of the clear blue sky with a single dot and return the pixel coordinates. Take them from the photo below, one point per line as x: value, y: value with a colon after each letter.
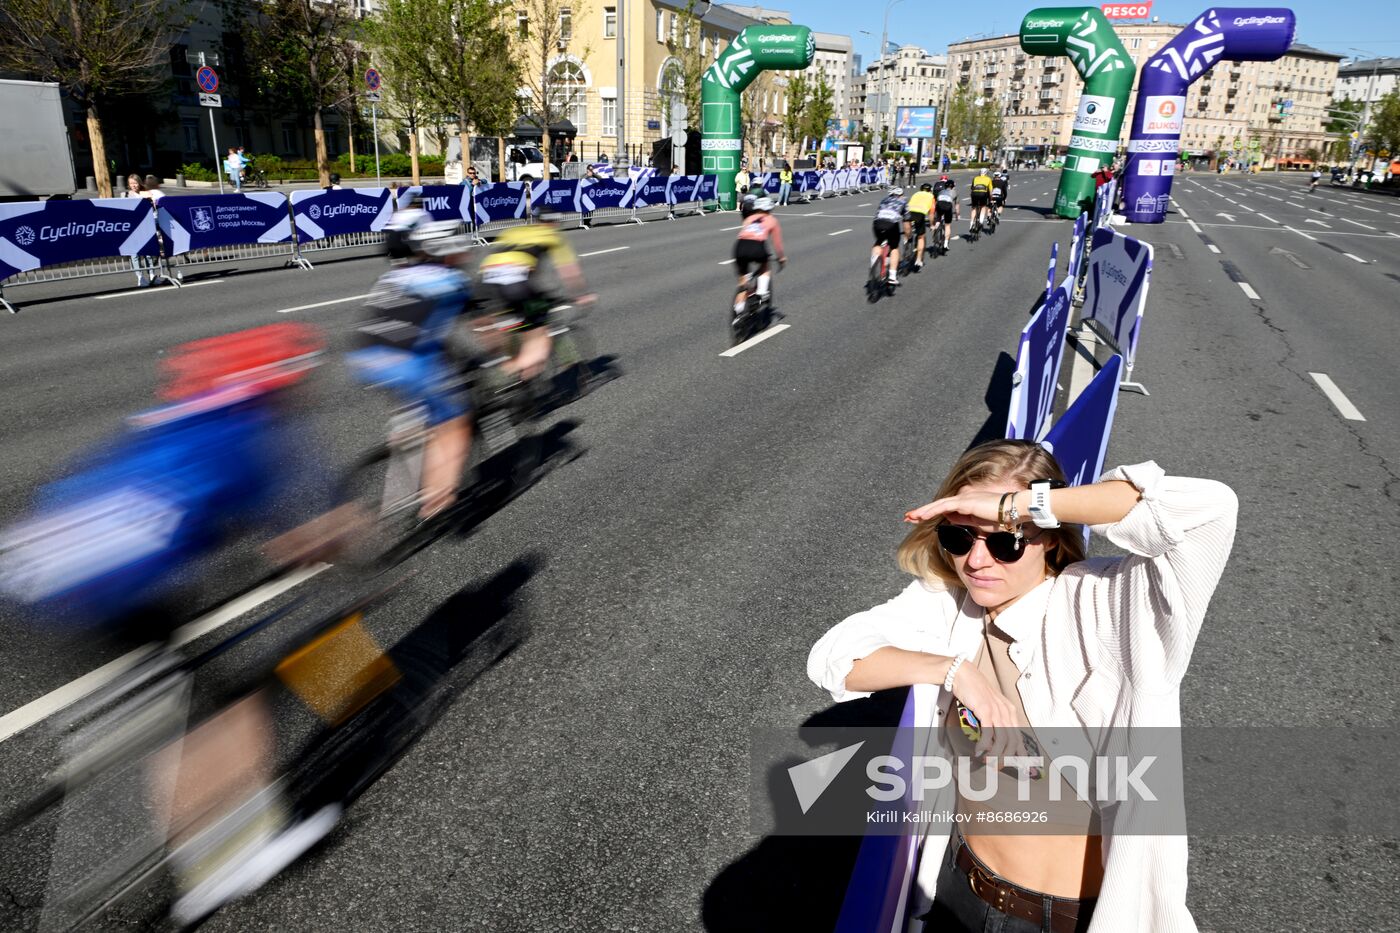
x: 1332, y: 25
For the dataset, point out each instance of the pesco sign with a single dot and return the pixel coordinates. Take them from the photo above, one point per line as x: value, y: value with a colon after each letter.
x: 1127, y: 10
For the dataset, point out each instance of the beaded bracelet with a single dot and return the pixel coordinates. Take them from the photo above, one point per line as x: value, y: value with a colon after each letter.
x: 952, y: 670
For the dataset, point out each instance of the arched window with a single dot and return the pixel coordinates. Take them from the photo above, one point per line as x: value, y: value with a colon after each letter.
x: 670, y: 89
x: 568, y: 93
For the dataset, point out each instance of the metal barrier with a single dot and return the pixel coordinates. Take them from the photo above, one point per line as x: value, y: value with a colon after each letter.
x: 235, y: 253
x: 339, y: 241
x: 153, y: 268
x: 610, y: 215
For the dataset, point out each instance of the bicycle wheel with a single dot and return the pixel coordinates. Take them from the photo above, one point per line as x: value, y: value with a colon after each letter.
x: 875, y: 284
x: 506, y: 452
x: 384, y: 482
x: 570, y: 367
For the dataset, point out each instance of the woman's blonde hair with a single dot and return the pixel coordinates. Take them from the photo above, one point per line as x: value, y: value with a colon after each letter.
x: 1013, y: 461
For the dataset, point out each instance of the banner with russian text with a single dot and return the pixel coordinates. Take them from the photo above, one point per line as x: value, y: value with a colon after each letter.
x: 34, y: 234
x: 319, y: 213
x: 1038, y: 358
x: 203, y: 221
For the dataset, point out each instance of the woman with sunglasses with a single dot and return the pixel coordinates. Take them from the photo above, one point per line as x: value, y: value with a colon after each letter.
x: 1022, y: 632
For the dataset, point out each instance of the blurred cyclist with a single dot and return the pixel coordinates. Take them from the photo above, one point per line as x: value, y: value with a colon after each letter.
x: 888, y: 227
x: 751, y: 249
x: 920, y: 206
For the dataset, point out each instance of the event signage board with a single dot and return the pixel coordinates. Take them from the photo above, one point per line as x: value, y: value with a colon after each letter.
x: 1076, y: 248
x: 503, y: 200
x: 602, y: 193
x: 1115, y: 291
x: 203, y: 221
x: 915, y: 122
x: 555, y: 195
x: 1126, y: 10
x: 1221, y: 33
x: 708, y: 189
x: 34, y: 234
x: 319, y: 213
x: 683, y: 188
x: 1079, y: 439
x: 1038, y: 366
x: 648, y: 190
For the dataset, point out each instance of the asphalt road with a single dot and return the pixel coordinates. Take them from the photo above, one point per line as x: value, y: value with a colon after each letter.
x: 721, y: 513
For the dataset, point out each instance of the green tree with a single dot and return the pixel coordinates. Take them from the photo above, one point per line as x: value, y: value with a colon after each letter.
x: 819, y: 109
x: 1383, y: 134
x: 681, y: 83
x: 551, y: 83
x: 794, y: 121
x: 97, y: 50
x: 962, y: 117
x: 988, y: 126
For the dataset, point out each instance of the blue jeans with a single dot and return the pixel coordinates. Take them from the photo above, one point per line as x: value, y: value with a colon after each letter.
x: 784, y: 190
x: 956, y: 909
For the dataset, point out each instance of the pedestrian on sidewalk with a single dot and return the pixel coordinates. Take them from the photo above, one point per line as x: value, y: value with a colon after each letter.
x: 784, y: 184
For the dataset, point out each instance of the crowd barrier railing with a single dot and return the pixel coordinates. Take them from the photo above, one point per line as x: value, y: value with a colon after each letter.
x: 50, y: 241
x: 209, y: 228
x: 1115, y: 295
x: 327, y: 220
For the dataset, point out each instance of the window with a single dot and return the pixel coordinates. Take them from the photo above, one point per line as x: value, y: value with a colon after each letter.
x: 673, y: 26
x: 289, y: 137
x: 609, y: 116
x: 704, y: 44
x: 568, y: 94
x: 566, y: 25
x: 191, y: 128
x: 660, y: 26
x: 522, y: 25
x: 609, y: 22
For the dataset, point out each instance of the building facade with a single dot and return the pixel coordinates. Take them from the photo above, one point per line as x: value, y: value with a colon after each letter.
x: 1367, y: 80
x: 908, y: 77
x: 1231, y: 111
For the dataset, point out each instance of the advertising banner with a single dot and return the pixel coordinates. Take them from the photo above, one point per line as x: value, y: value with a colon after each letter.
x: 683, y: 188
x: 602, y: 194
x: 1079, y: 440
x: 502, y: 200
x: 1076, y: 249
x: 562, y: 196
x: 441, y: 202
x: 1050, y: 270
x: 708, y: 189
x: 916, y: 122
x: 1222, y: 33
x: 648, y: 191
x: 44, y: 233
x: 203, y: 221
x: 1115, y: 292
x: 318, y: 214
x: 1038, y: 367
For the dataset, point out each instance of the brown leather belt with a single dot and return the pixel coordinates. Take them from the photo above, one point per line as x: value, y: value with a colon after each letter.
x: 1017, y: 901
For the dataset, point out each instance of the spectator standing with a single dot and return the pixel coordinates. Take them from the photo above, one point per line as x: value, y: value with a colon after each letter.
x: 141, y: 265
x: 233, y: 168
x: 150, y: 189
x: 335, y: 184
x: 784, y: 184
x: 741, y: 183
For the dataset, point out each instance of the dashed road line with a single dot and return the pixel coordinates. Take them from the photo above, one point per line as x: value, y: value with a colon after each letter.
x: 599, y: 252
x: 1355, y: 257
x: 1355, y: 223
x: 1300, y: 233
x: 1337, y: 397
x: 1194, y: 226
x: 1267, y: 217
x: 756, y: 340
x: 155, y: 289
x: 727, y: 262
x: 1248, y: 290
x: 847, y: 230
x: 1212, y: 247
x: 324, y: 304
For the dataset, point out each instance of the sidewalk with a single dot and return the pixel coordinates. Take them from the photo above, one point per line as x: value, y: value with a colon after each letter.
x: 169, y: 187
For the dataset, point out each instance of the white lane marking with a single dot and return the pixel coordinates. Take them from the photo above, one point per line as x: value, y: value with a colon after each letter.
x: 1363, y: 207
x: 1267, y: 217
x: 1337, y: 397
x: 1357, y: 258
x: 727, y: 262
x: 45, y: 706
x: 814, y: 214
x: 756, y: 340
x: 1212, y: 247
x: 1033, y: 200
x: 1396, y: 235
x: 1183, y: 213
x: 1248, y: 208
x: 1194, y: 226
x: 158, y: 288
x: 599, y: 252
x: 727, y: 229
x: 1355, y: 223
x: 1299, y: 232
x: 1249, y: 291
x: 323, y: 304
x: 847, y: 230
x: 866, y: 204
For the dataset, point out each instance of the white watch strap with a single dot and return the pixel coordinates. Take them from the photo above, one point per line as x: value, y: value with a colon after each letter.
x: 1040, y: 506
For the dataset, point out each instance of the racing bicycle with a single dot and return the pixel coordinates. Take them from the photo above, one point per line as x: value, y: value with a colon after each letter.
x: 908, y: 252
x: 757, y: 313
x: 878, y: 284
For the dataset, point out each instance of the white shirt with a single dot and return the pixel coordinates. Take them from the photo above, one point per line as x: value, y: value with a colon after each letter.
x: 1104, y: 644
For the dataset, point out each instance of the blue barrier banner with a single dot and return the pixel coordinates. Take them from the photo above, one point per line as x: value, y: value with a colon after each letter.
x: 1050, y: 272
x: 1038, y: 367
x: 503, y: 200
x: 878, y: 894
x: 441, y: 202
x: 602, y: 169
x: 683, y: 188
x: 1079, y: 440
x: 1076, y: 247
x: 708, y: 189
x: 43, y: 233
x: 202, y: 221
x: 1115, y: 292
x: 556, y: 195
x: 807, y: 181
x: 648, y: 190
x: 319, y: 214
x: 598, y: 194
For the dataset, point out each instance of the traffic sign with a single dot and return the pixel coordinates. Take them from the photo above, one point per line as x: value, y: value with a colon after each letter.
x: 373, y: 79
x: 678, y: 137
x: 372, y: 96
x: 208, y: 79
x: 211, y: 100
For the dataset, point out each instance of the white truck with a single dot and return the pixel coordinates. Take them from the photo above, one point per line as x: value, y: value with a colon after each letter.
x: 524, y: 162
x: 36, y: 160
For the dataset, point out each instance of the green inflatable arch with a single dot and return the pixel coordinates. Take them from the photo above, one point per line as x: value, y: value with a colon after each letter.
x: 755, y: 49
x: 1085, y: 35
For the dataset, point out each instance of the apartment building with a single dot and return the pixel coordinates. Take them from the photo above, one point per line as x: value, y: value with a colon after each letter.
x: 907, y: 77
x: 1233, y: 108
x: 1367, y: 79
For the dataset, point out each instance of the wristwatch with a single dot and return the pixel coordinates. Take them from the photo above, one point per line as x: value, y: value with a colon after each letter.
x: 1040, y: 503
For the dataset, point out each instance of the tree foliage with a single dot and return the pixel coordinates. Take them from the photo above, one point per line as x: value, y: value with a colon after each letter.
x: 795, y: 120
x: 962, y: 117
x: 819, y: 109
x: 688, y: 71
x: 1383, y: 134
x: 544, y: 40
x: 96, y: 49
x: 988, y: 126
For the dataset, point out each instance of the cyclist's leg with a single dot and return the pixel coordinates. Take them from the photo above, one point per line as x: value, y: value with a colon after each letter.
x: 448, y: 446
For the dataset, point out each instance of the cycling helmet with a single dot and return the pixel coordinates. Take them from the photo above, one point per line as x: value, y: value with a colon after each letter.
x: 896, y: 191
x: 257, y: 360
x: 763, y: 204
x: 437, y: 238
x: 926, y: 187
x: 944, y: 178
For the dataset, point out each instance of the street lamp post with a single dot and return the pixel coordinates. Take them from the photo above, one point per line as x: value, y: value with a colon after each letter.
x: 884, y: 41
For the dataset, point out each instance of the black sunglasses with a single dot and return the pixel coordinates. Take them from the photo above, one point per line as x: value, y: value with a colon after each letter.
x: 1005, y: 546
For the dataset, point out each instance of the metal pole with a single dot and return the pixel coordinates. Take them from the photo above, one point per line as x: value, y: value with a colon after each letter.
x: 214, y: 134
x: 621, y: 146
x: 374, y: 117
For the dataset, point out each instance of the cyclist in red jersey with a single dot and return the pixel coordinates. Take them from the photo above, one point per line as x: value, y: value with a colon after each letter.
x: 751, y: 248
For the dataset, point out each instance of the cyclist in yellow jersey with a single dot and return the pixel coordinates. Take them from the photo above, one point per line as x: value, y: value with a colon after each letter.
x: 920, y: 205
x: 981, y: 196
x: 510, y: 281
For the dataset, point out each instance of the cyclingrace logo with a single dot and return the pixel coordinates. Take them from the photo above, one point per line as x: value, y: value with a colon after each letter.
x: 314, y: 212
x: 1085, y: 54
x: 1198, y: 54
x: 24, y: 236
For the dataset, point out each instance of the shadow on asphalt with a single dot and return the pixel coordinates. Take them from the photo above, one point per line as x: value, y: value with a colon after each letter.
x: 997, y: 398
x: 795, y: 882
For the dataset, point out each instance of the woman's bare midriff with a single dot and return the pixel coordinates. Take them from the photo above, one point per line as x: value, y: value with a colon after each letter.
x: 1065, y: 866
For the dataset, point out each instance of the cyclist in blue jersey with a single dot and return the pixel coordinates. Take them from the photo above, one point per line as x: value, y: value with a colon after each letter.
x: 890, y: 223
x: 402, y: 344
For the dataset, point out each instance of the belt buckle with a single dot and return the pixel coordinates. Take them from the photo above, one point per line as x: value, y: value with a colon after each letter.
x: 977, y: 873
